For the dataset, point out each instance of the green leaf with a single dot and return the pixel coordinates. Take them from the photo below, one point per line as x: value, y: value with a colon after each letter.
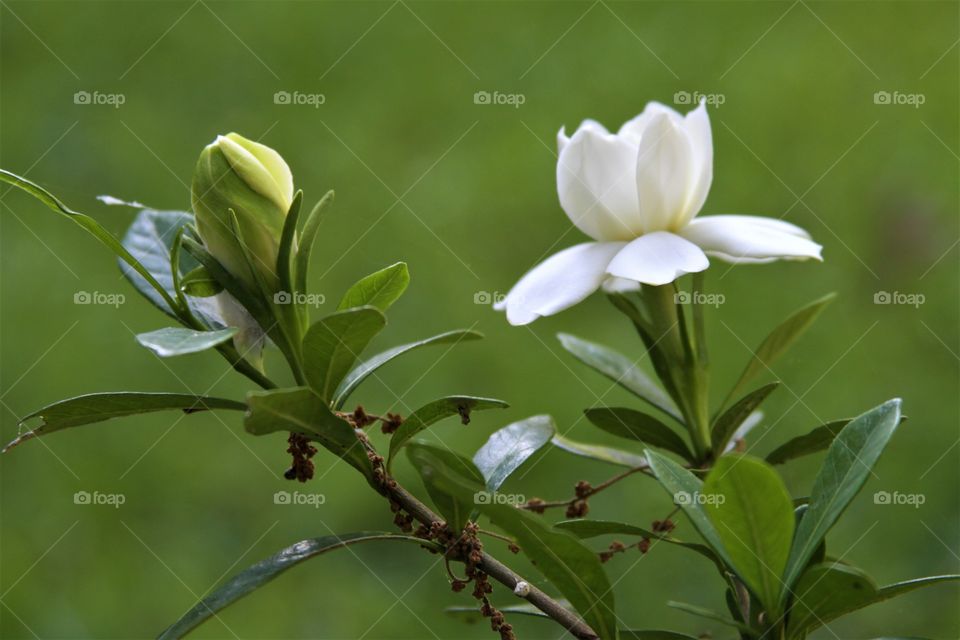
x: 779, y: 340
x: 199, y: 283
x: 150, y: 239
x: 334, y: 343
x: 430, y: 461
x: 177, y: 341
x: 508, y: 448
x: 436, y: 411
x: 640, y: 427
x: 599, y: 452
x: 367, y: 367
x: 726, y: 425
x: 621, y: 370
x: 849, y: 461
x: 829, y: 590
x: 302, y: 411
x: 378, y: 290
x: 686, y: 490
x: 701, y: 612
x: 753, y: 516
x: 264, y: 571
x: 816, y: 440
x: 653, y: 634
x: 567, y: 563
x: 473, y: 614
x: 97, y: 407
x: 288, y: 236
x: 307, y: 236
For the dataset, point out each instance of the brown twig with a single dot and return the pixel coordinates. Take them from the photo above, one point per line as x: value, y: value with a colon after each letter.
x: 539, y: 506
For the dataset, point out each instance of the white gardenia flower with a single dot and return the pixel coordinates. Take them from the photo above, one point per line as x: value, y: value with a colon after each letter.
x: 637, y: 193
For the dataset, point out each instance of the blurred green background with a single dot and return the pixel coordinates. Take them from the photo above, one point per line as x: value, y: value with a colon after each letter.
x: 465, y: 193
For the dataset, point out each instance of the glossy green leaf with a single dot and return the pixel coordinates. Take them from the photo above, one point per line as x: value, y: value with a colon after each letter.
x: 621, y: 370
x: 199, y: 283
x: 640, y: 427
x: 288, y: 239
x: 178, y: 341
x: 779, y: 340
x: 849, y: 461
x: 431, y: 461
x: 302, y: 411
x: 752, y: 513
x: 369, y: 366
x: 473, y: 614
x: 97, y: 407
x: 811, y: 442
x: 437, y: 410
x: 378, y: 290
x: 334, y: 343
x: 829, y: 590
x: 258, y: 575
x: 728, y: 422
x: 508, y: 448
x: 568, y: 564
x: 307, y: 238
x: 687, y: 492
x: 599, y: 452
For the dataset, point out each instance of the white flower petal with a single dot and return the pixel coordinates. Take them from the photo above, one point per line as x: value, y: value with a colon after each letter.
x: 751, y: 239
x: 633, y: 130
x: 563, y: 139
x: 665, y: 174
x: 658, y: 258
x: 596, y: 184
x: 697, y: 125
x: 613, y: 284
x: 560, y: 281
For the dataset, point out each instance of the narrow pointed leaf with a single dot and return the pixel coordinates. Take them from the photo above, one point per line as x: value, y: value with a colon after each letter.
x: 779, y: 340
x: 258, y: 575
x: 178, y: 341
x: 752, y: 512
x: 509, y: 447
x: 473, y: 614
x: 849, y: 461
x: 653, y: 634
x: 731, y: 419
x: 639, y: 427
x: 334, y: 343
x: 599, y: 452
x: 811, y: 442
x: 621, y: 370
x: 430, y: 461
x: 288, y: 240
x: 307, y: 237
x: 302, y: 411
x: 378, y: 290
x: 199, y: 283
x: 702, y: 612
x: 368, y: 367
x: 437, y: 410
x: 97, y: 407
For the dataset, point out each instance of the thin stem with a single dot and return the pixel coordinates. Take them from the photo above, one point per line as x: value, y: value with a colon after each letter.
x: 587, y: 494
